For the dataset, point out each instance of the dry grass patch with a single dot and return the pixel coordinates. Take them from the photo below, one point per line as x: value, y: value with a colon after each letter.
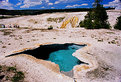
x: 7, y: 31
x: 10, y: 74
x: 33, y: 21
x: 57, y: 20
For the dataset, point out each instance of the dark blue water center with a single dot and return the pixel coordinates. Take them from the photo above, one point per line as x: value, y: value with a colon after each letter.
x: 64, y: 58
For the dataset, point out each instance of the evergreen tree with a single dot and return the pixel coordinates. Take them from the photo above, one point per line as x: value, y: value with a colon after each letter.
x: 118, y: 24
x: 96, y: 18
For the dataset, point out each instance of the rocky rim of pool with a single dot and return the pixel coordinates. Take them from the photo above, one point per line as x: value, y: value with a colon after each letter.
x: 61, y: 54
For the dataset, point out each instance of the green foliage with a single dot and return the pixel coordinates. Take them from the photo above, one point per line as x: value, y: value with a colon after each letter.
x: 50, y: 27
x: 118, y: 24
x: 11, y: 69
x: 96, y: 18
x: 0, y: 67
x: 97, y: 2
x: 35, y: 12
x: 12, y: 74
x: 7, y: 16
x: 18, y: 76
x: 87, y: 24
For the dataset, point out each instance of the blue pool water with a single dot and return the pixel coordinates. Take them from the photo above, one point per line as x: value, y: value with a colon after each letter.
x: 64, y: 58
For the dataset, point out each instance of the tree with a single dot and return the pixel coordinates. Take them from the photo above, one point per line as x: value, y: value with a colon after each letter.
x: 97, y: 2
x: 96, y: 18
x: 118, y: 24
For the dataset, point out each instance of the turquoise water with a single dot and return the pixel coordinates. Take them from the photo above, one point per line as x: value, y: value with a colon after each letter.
x: 64, y: 58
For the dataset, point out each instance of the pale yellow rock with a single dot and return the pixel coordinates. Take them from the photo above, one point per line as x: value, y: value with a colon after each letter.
x: 73, y: 21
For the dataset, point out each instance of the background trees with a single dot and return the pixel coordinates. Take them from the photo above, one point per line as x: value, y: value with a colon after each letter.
x: 96, y: 18
x: 118, y: 24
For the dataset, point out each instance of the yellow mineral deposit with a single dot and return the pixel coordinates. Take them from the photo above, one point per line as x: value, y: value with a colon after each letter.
x: 73, y: 21
x: 65, y: 23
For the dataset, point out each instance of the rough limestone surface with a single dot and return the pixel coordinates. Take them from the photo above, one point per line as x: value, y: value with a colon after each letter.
x: 102, y: 54
x: 36, y: 70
